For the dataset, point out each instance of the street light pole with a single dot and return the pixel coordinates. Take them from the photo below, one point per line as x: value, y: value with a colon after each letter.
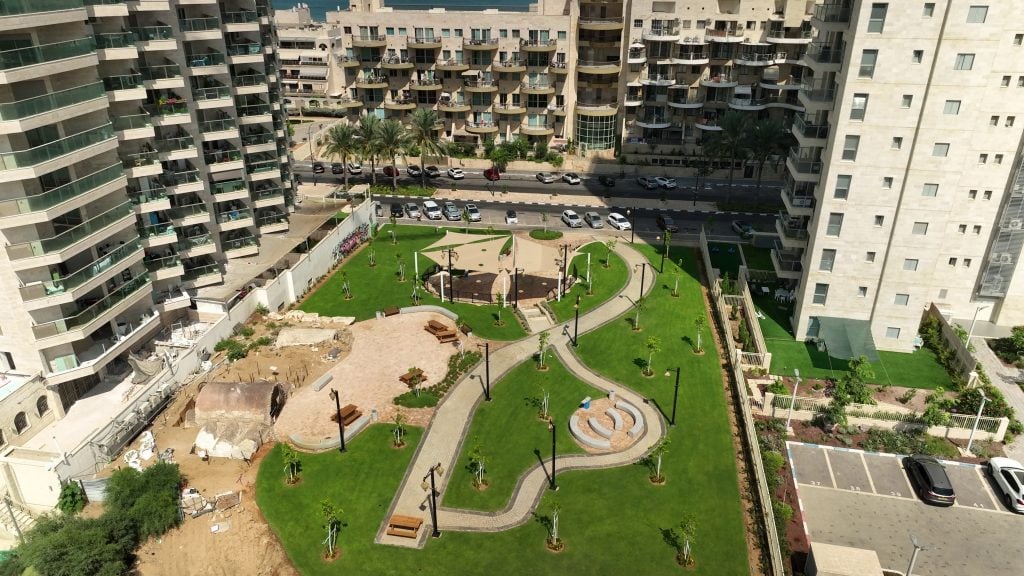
x: 565, y: 267
x: 309, y: 136
x: 554, y: 429
x: 913, y: 557
x: 970, y: 333
x: 675, y: 397
x: 515, y: 287
x: 487, y: 371
x: 341, y: 423
x: 977, y: 419
x: 632, y: 224
x: 451, y: 284
x: 792, y: 401
x: 643, y: 277
x: 576, y: 325
x: 433, y: 497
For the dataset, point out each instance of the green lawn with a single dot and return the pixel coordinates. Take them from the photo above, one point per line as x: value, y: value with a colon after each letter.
x: 758, y: 258
x: 376, y: 288
x: 508, y: 431
x: 726, y: 257
x: 606, y: 281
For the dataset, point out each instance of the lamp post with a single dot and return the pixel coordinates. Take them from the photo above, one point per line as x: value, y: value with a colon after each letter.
x: 309, y: 136
x: 664, y: 250
x: 565, y: 267
x: 515, y: 287
x: 913, y: 557
x: 643, y: 276
x: 487, y: 371
x: 433, y: 496
x: 341, y: 423
x: 554, y: 430
x: 631, y: 212
x: 451, y: 284
x: 792, y: 401
x: 977, y: 419
x: 576, y: 324
x: 675, y: 397
x: 970, y: 333
x: 14, y: 520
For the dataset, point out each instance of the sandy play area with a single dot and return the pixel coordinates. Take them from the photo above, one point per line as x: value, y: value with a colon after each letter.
x: 382, y: 350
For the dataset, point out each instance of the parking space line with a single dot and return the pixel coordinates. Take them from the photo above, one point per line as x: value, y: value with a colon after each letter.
x: 988, y: 490
x: 906, y: 478
x: 867, y: 470
x: 828, y: 464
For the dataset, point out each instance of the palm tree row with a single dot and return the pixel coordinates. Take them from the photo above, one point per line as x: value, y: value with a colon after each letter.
x: 741, y: 139
x: 373, y: 140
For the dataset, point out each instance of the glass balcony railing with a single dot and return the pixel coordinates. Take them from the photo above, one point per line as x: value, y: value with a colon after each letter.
x: 213, y: 93
x: 166, y: 109
x: 199, y: 24
x: 219, y: 156
x: 147, y: 33
x: 179, y: 212
x: 147, y: 195
x: 194, y: 241
x: 52, y: 101
x: 139, y: 159
x: 56, y: 149
x: 245, y: 49
x: 179, y: 178
x: 203, y: 60
x: 161, y: 72
x: 238, y: 243
x: 156, y: 264
x: 61, y: 241
x: 218, y: 125
x: 269, y: 219
x: 123, y: 82
x: 19, y: 7
x: 60, y: 194
x: 253, y: 109
x: 132, y: 121
x: 233, y: 215
x: 156, y: 230
x: 227, y: 187
x: 804, y: 164
x: 85, y: 273
x: 17, y: 58
x: 92, y: 312
x: 263, y: 166
x: 265, y: 193
x: 115, y: 40
x: 256, y: 139
x: 200, y: 271
x: 175, y: 144
x: 244, y: 17
x: 249, y: 80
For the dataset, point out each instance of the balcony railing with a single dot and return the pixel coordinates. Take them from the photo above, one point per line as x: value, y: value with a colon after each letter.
x: 233, y: 215
x: 200, y: 271
x: 138, y: 159
x: 115, y: 40
x: 261, y: 166
x: 52, y: 101
x: 212, y: 93
x: 369, y: 38
x: 249, y: 80
x: 801, y: 126
x: 61, y: 241
x: 482, y: 83
x: 792, y: 227
x: 155, y: 230
x: 179, y: 178
x: 238, y: 243
x: 825, y: 53
x: 19, y: 7
x: 60, y: 194
x: 245, y: 49
x: 156, y: 264
x: 175, y: 144
x: 92, y: 312
x: 161, y: 72
x: 265, y: 193
x: 218, y: 125
x: 802, y: 164
x: 220, y: 156
x: 227, y: 187
x: 147, y: 195
x: 147, y: 33
x: 84, y: 274
x: 205, y: 60
x: 799, y: 201
x: 122, y: 82
x: 56, y: 149
x: 479, y: 41
x: 262, y: 137
x: 817, y: 91
x: 268, y: 219
x: 199, y: 24
x: 132, y: 121
x: 833, y: 12
x: 179, y: 212
x: 20, y: 57
x: 253, y: 109
x: 244, y: 17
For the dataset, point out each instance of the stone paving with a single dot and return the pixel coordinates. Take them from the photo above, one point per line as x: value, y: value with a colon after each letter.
x: 443, y: 439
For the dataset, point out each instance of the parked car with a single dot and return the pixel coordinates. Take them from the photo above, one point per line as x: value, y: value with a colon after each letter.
x: 666, y: 183
x: 492, y: 174
x: 545, y: 177
x: 593, y: 219
x: 456, y: 173
x: 571, y: 178
x: 389, y: 171
x: 337, y: 168
x: 451, y: 211
x: 473, y: 212
x: 318, y: 167
x: 397, y: 210
x: 647, y: 183
x: 432, y: 171
x: 355, y: 168
x: 1009, y: 476
x: 413, y: 170
x: 928, y: 476
x: 606, y: 181
x: 743, y: 229
x: 431, y: 210
x: 666, y: 223
x: 619, y: 222
x: 412, y: 210
x: 572, y: 219
x: 511, y: 217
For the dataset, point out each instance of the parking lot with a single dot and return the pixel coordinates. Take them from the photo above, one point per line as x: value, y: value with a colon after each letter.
x: 865, y: 500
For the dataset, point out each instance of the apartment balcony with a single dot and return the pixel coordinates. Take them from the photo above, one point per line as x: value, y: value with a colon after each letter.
x: 80, y: 325
x: 227, y: 190
x: 824, y: 56
x: 348, y: 62
x: 212, y: 97
x: 544, y: 129
x: 148, y: 200
x: 183, y: 181
x: 157, y: 234
x: 654, y: 121
x: 480, y: 85
x: 657, y: 80
x: 396, y: 62
x: 425, y: 84
x: 510, y: 66
x: 637, y: 55
x: 170, y: 113
x: 245, y: 53
x: 32, y: 13
x: 240, y: 247
x: 539, y: 87
x: 369, y: 41
x: 30, y: 113
x: 592, y: 108
x: 269, y: 196
x: 47, y: 205
x: 707, y: 124
x: 589, y: 23
x: 243, y: 21
x: 223, y: 160
x: 792, y: 231
x: 479, y: 43
x: 788, y: 101
x: 234, y: 218
x: 45, y: 158
x: 148, y: 5
x: 164, y: 268
x: 481, y: 127
x: 192, y: 246
x: 100, y: 352
x: 423, y: 42
x: 775, y: 82
x: 558, y: 67
x: 263, y: 169
x: 372, y: 81
x: 346, y: 102
x: 24, y: 255
x: 729, y: 80
x: 734, y: 35
x: 254, y: 83
x: 803, y: 168
x: 200, y: 276
x: 788, y: 263
x: 259, y: 142
x: 190, y: 215
x: 662, y: 34
x: 789, y: 36
x: 207, y: 28
x: 536, y: 45
x: 70, y: 287
x: 816, y: 95
x: 106, y: 9
x: 452, y: 65
x: 508, y: 109
x: 43, y: 60
x: 177, y: 148
x: 162, y: 77
x: 125, y: 87
x: 755, y: 57
x: 683, y: 102
x: 748, y: 104
x: 599, y: 66
x: 692, y: 57
x: 798, y: 204
x: 155, y: 38
x: 400, y: 104
x: 170, y: 299
x: 272, y: 222
x: 218, y: 129
x: 207, y: 63
x: 831, y: 13
x: 809, y: 135
x: 253, y: 114
x: 556, y: 109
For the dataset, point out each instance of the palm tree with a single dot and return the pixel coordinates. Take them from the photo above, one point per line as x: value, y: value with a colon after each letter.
x: 765, y: 139
x: 731, y: 142
x: 392, y: 140
x: 423, y: 135
x: 343, y: 144
x: 368, y: 134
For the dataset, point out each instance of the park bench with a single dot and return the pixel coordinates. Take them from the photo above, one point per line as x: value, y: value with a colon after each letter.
x: 574, y: 427
x: 616, y: 417
x: 391, y: 311
x: 599, y: 428
x: 404, y: 526
x: 408, y: 377
x: 435, y: 327
x: 350, y: 414
x: 638, y: 417
x: 449, y: 336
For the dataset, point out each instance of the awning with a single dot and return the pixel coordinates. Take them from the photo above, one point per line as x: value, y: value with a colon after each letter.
x: 473, y: 73
x: 337, y: 94
x: 637, y: 45
x: 847, y: 339
x: 478, y: 256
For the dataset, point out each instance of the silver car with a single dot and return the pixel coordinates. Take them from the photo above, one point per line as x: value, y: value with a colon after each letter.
x: 473, y: 212
x: 545, y: 177
x: 593, y: 219
x: 572, y: 219
x: 451, y: 211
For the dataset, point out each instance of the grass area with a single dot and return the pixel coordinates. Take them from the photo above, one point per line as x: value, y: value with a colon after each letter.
x: 508, y: 432
x: 545, y: 234
x: 402, y: 190
x: 758, y: 258
x: 700, y: 466
x: 726, y: 257
x: 375, y: 288
x: 606, y: 281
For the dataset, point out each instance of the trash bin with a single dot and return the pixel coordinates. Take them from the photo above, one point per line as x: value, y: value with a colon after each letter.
x: 586, y: 403
x: 379, y: 210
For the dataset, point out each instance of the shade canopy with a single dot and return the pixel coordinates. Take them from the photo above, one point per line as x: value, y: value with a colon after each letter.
x: 846, y: 338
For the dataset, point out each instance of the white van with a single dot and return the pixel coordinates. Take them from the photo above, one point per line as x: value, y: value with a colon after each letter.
x: 431, y: 210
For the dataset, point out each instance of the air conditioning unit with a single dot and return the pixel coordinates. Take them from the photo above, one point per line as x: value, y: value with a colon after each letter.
x: 1016, y: 224
x: 1004, y: 258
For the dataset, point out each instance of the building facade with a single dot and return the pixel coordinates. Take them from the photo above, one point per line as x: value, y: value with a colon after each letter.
x: 142, y: 147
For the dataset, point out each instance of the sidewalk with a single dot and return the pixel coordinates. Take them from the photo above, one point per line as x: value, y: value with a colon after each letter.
x: 538, y: 198
x: 1005, y: 379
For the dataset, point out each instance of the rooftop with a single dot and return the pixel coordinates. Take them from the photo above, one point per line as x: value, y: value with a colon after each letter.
x: 11, y: 382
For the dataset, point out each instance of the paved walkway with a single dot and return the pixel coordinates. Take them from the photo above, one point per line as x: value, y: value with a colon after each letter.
x: 443, y: 439
x: 1005, y: 378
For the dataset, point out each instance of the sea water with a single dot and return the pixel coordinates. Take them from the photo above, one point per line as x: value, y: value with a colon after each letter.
x: 319, y: 8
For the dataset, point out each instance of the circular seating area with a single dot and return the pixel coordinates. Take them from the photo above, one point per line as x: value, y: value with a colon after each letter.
x: 602, y: 424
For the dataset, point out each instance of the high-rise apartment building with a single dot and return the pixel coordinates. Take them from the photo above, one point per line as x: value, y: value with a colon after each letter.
x: 906, y: 186
x: 142, y: 147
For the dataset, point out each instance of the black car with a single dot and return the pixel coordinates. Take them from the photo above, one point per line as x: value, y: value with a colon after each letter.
x: 606, y: 181
x: 929, y: 479
x: 413, y: 170
x: 432, y: 171
x: 666, y: 223
x: 318, y: 167
x: 397, y: 210
x: 337, y: 168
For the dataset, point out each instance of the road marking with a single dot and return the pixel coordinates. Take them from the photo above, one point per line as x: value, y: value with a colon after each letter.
x: 915, y: 500
x: 988, y: 489
x: 906, y: 479
x: 867, y: 470
x: 828, y: 463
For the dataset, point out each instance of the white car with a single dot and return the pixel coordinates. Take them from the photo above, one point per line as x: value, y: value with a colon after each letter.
x: 572, y: 219
x: 545, y: 177
x: 355, y: 168
x: 456, y: 173
x: 1009, y: 476
x: 618, y: 221
x: 431, y: 210
x: 666, y: 183
x: 571, y: 178
x: 511, y: 217
x: 593, y: 219
x: 473, y: 212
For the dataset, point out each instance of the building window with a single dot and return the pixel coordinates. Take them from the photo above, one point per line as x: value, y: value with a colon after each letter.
x: 1020, y: 81
x: 917, y: 56
x: 879, y: 220
x: 930, y: 190
x: 952, y: 262
x: 967, y: 262
x: 943, y: 293
x: 687, y: 24
x: 820, y: 294
x: 982, y: 158
x: 42, y: 405
x: 929, y: 9
x: 964, y: 61
x: 976, y: 229
x: 962, y: 228
x: 941, y: 149
x: 998, y: 159
x: 952, y: 107
x: 993, y: 121
x: 986, y: 195
x: 503, y: 33
x: 515, y: 33
x: 860, y: 107
x: 389, y: 31
x: 972, y: 194
x: 835, y: 224
x: 920, y: 228
x: 1010, y: 120
x: 907, y: 101
x: 20, y: 423
x: 828, y: 259
x: 887, y: 182
x: 638, y: 23
x: 977, y: 14
x: 868, y: 59
x: 701, y: 24
x: 910, y: 264
x: 562, y: 35
x: 901, y: 299
x: 876, y: 21
x: 1006, y: 81
x: 1018, y: 39
x: 892, y: 332
x: 850, y: 145
x: 862, y: 291
x: 870, y: 257
x: 842, y: 186
x: 897, y: 142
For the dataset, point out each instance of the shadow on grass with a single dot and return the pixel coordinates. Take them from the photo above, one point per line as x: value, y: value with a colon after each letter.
x: 689, y: 342
x: 543, y: 466
x: 640, y: 363
x: 545, y: 521
x: 664, y: 414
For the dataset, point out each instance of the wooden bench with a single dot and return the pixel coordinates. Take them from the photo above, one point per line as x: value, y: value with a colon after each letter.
x: 350, y: 414
x: 407, y: 378
x: 435, y: 327
x: 404, y: 526
x: 391, y: 311
x: 449, y: 336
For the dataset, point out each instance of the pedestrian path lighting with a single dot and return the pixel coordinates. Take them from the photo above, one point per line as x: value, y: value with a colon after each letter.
x: 341, y: 423
x: 433, y: 495
x: 977, y: 419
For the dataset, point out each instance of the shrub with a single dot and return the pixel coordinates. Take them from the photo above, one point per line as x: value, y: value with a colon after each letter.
x: 243, y: 331
x: 426, y: 399
x: 71, y: 499
x: 778, y: 388
x: 545, y: 235
x: 773, y: 463
x: 555, y: 159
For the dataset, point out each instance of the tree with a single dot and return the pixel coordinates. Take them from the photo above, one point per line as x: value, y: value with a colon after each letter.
x: 291, y: 462
x: 653, y: 460
x: 699, y: 323
x: 653, y: 346
x: 542, y: 348
x: 345, y: 286
x: 500, y: 297
x: 730, y: 143
x: 423, y: 135
x: 766, y: 138
x: 401, y: 267
x: 936, y: 412
x: 393, y: 141
x: 71, y: 499
x: 1017, y: 337
x: 342, y: 143
x: 851, y: 387
x: 399, y: 431
x: 641, y: 305
x: 369, y: 142
x: 544, y: 220
x: 500, y: 156
x: 476, y: 466
x: 554, y: 542
x: 332, y: 522
x: 687, y: 531
x: 610, y: 245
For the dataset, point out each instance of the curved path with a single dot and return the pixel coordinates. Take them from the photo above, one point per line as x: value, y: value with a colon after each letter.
x: 442, y: 441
